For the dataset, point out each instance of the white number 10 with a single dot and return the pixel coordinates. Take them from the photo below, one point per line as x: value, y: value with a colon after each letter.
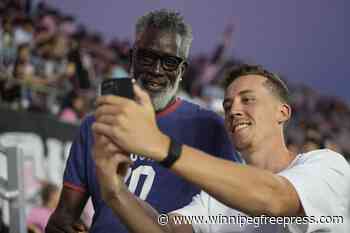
x: 147, y: 171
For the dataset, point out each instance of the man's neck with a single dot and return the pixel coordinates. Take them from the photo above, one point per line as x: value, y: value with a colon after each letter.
x: 171, y: 102
x: 273, y: 157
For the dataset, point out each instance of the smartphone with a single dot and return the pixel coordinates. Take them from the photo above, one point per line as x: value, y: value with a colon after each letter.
x: 118, y: 86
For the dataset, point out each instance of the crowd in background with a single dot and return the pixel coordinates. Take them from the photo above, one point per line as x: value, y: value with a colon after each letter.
x: 52, y: 65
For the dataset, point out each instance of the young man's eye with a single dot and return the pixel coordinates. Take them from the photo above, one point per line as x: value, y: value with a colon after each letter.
x: 248, y: 99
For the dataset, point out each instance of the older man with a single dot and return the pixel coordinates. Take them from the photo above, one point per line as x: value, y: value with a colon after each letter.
x: 158, y: 62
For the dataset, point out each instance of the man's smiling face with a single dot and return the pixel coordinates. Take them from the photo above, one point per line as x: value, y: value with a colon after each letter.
x: 252, y: 112
x: 157, y: 65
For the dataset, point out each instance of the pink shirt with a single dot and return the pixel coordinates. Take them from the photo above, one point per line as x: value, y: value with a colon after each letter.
x: 39, y: 216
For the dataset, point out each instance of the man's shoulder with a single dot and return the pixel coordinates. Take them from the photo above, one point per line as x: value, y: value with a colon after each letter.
x: 87, y: 120
x: 84, y: 130
x: 321, y: 154
x: 323, y: 158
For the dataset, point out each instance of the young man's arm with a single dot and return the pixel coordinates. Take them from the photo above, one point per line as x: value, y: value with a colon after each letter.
x: 139, y: 217
x: 243, y: 187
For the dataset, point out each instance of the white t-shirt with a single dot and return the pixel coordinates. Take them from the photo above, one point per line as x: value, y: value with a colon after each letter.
x: 322, y: 181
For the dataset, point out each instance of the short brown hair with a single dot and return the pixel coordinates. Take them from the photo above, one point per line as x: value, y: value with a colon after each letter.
x: 274, y: 83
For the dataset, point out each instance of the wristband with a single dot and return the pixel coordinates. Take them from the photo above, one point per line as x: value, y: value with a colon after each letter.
x: 174, y: 153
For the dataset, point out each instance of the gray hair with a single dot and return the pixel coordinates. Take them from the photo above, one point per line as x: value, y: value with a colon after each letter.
x: 169, y: 21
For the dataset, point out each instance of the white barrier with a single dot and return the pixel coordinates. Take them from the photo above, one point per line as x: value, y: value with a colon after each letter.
x: 12, y: 187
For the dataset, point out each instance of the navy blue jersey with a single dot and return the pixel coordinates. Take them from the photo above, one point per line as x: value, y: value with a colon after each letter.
x: 165, y: 191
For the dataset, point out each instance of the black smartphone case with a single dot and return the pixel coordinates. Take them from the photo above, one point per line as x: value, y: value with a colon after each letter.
x: 119, y: 86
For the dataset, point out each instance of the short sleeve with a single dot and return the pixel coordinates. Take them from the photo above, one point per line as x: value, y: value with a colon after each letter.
x: 322, y: 182
x: 214, y: 216
x: 75, y: 174
x: 196, y: 208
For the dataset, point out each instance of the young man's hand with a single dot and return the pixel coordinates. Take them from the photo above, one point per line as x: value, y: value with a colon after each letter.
x: 131, y: 124
x: 111, y: 166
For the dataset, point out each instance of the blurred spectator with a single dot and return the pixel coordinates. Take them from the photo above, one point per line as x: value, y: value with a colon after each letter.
x: 38, y: 216
x: 80, y: 76
x: 74, y: 109
x: 7, y: 33
x: 116, y: 69
x: 67, y: 26
x: 311, y: 144
x: 24, y: 31
x: 329, y: 142
x: 7, y: 45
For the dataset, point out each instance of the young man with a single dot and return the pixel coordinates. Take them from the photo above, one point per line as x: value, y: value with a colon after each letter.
x: 158, y: 63
x: 314, y: 187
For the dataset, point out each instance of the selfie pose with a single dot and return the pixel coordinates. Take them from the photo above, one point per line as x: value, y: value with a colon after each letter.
x: 310, y: 191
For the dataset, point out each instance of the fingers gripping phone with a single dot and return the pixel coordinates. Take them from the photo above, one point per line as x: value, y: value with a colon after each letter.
x: 118, y: 86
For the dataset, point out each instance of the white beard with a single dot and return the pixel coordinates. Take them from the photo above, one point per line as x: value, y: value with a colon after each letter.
x: 161, y: 99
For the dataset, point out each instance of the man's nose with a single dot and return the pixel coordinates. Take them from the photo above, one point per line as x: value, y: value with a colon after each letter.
x: 158, y: 66
x: 236, y: 110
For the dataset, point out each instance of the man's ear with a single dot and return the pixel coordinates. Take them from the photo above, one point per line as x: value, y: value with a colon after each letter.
x: 183, y: 68
x: 284, y: 113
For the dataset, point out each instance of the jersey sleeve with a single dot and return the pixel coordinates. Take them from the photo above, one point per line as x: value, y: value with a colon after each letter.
x: 75, y: 174
x: 323, y: 187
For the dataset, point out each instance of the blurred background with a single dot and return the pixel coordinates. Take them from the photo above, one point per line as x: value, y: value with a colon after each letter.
x: 55, y: 53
